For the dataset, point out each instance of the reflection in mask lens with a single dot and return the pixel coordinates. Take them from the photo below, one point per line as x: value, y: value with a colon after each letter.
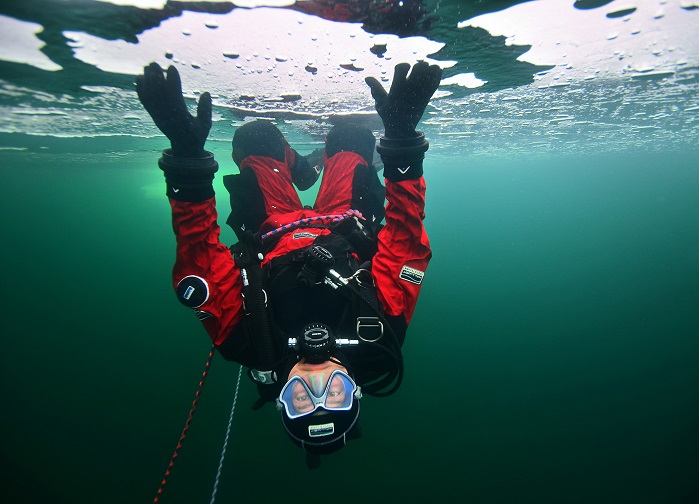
x: 299, y: 400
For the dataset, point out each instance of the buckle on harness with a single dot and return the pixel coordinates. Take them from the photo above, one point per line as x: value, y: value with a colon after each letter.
x: 263, y: 377
x: 369, y: 329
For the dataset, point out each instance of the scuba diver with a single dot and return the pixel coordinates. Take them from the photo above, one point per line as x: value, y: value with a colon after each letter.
x: 315, y: 302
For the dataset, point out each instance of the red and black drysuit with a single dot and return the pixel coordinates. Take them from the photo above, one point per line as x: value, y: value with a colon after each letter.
x: 205, y: 274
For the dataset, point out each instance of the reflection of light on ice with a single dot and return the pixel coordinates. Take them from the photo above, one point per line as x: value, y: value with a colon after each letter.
x: 467, y: 80
x: 587, y: 40
x: 638, y: 90
x: 228, y: 61
x: 143, y: 4
x: 159, y: 4
x: 19, y: 44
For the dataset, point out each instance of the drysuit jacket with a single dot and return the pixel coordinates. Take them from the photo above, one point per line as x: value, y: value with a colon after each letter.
x: 397, y: 268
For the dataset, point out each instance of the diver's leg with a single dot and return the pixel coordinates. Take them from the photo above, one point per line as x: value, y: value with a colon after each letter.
x: 262, y: 138
x: 349, y: 180
x: 264, y: 185
x: 248, y: 210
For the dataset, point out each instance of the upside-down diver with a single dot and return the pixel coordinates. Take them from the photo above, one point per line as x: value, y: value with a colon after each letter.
x: 314, y: 301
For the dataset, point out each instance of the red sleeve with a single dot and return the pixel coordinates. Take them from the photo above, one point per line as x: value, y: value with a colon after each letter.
x: 404, y: 248
x: 201, y: 254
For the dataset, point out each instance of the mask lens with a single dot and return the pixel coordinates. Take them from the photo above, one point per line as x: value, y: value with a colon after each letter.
x: 340, y: 392
x: 299, y: 400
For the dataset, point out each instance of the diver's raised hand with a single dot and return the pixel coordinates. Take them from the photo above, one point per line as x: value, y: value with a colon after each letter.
x: 402, y: 148
x: 402, y: 107
x: 162, y: 97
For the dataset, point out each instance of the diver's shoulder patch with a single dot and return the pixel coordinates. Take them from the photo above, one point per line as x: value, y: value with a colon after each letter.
x: 411, y: 275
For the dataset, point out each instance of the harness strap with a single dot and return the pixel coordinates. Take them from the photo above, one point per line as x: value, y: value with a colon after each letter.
x: 372, y: 319
x: 247, y: 256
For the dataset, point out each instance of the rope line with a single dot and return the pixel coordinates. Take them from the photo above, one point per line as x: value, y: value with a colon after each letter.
x: 318, y: 219
x: 225, y: 441
x: 168, y: 471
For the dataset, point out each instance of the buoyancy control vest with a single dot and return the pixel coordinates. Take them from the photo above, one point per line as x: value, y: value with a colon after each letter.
x: 327, y: 283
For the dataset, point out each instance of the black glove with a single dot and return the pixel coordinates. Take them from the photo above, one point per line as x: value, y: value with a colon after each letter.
x: 402, y: 108
x: 402, y: 148
x: 189, y: 169
x: 163, y: 100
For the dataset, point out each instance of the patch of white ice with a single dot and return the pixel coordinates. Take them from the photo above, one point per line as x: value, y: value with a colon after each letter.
x: 19, y: 44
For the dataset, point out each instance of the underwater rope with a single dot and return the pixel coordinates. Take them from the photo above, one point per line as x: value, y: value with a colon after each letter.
x: 316, y: 219
x: 225, y: 442
x: 186, y: 425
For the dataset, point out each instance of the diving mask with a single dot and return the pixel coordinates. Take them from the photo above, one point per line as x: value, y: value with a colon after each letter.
x: 339, y: 393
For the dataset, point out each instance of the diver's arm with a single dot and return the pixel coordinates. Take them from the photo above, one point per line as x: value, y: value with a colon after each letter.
x: 403, y: 248
x: 205, y: 277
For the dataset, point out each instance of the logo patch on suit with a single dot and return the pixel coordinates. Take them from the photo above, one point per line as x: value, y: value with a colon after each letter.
x: 321, y: 430
x: 304, y: 234
x: 411, y: 275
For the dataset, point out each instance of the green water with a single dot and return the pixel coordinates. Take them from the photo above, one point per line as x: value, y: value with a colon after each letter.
x: 552, y: 357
